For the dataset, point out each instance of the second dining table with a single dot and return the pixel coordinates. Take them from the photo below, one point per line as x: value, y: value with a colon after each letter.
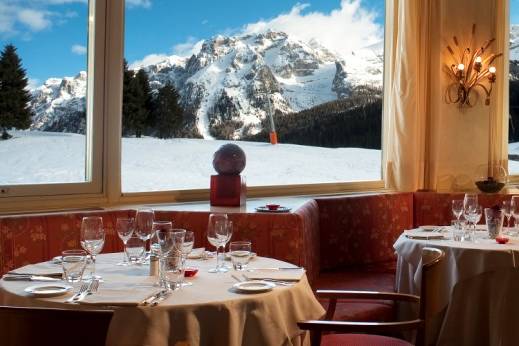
x: 476, y: 296
x: 209, y: 312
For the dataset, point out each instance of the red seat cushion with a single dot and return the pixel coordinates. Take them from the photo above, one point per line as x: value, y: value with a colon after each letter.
x: 361, y: 340
x: 367, y: 278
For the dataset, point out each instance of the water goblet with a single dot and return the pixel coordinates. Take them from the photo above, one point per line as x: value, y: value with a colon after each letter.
x: 240, y: 254
x: 144, y: 224
x: 159, y: 226
x: 124, y: 228
x: 458, y: 229
x: 74, y: 263
x: 92, y: 239
x: 217, y: 235
x: 457, y: 208
x: 507, y: 210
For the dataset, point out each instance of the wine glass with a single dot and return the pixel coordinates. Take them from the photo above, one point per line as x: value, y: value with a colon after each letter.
x: 124, y: 228
x: 229, y: 236
x: 514, y: 204
x: 144, y: 225
x: 457, y: 208
x: 159, y: 226
x: 507, y: 210
x: 92, y: 239
x: 187, y: 247
x: 475, y: 216
x: 217, y: 235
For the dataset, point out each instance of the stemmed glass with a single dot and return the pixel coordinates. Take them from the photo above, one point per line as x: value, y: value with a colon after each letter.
x: 507, y: 210
x: 144, y: 226
x: 124, y: 228
x: 187, y: 247
x: 470, y: 206
x: 457, y: 208
x: 218, y: 236
x: 159, y: 226
x: 515, y: 212
x: 92, y: 239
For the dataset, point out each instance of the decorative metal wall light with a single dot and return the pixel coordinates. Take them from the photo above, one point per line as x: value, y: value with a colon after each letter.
x: 470, y: 70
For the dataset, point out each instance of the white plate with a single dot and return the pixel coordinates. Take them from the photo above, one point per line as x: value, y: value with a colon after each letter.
x: 56, y: 260
x: 48, y: 290
x: 254, y: 286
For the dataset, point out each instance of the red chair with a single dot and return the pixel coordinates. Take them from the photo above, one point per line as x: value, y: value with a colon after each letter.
x: 352, y: 333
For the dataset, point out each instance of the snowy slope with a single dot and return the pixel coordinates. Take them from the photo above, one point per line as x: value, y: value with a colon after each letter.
x: 151, y: 164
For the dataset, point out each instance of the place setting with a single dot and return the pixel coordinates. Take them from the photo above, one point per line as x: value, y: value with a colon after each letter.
x: 272, y: 208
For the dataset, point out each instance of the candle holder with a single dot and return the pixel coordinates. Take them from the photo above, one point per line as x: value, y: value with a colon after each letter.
x: 470, y: 70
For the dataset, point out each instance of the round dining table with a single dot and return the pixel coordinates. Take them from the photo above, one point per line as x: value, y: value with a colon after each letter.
x: 208, y: 312
x: 476, y: 300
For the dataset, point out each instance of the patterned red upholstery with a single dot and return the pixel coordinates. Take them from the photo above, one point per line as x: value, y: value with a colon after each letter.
x: 36, y: 238
x: 361, y: 340
x: 357, y: 230
x: 431, y: 208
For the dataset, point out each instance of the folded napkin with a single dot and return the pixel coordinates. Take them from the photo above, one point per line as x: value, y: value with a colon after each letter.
x: 40, y: 269
x: 120, y: 296
x: 284, y: 275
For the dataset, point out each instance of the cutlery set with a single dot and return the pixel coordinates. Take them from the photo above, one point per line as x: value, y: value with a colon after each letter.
x: 274, y: 281
x: 86, y: 288
x: 156, y: 298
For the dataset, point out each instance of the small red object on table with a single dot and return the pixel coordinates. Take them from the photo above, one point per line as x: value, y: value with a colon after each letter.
x: 502, y: 240
x: 273, y: 206
x: 190, y: 272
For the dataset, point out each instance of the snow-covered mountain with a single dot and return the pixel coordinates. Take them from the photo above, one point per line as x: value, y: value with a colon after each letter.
x: 514, y: 42
x: 232, y: 80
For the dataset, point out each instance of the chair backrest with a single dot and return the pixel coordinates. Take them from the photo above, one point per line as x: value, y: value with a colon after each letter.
x: 430, y: 287
x: 22, y: 326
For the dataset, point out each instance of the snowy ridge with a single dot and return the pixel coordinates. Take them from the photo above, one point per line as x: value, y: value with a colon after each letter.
x: 231, y: 80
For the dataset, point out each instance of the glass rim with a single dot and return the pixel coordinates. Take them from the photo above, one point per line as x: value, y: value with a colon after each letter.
x: 92, y: 217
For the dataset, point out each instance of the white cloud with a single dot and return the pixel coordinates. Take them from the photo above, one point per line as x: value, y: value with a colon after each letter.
x: 147, y: 60
x: 205, y: 21
x: 188, y: 48
x: 343, y: 30
x: 78, y: 49
x: 33, y: 83
x: 36, y: 20
x: 139, y: 3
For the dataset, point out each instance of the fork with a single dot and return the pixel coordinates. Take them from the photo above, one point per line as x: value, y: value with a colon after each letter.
x: 82, y: 289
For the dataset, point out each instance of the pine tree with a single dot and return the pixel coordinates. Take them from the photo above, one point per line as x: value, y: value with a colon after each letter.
x: 137, y: 102
x: 128, y: 76
x: 15, y: 111
x: 167, y: 113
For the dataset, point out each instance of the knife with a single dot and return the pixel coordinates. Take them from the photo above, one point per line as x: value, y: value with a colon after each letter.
x: 152, y: 298
x: 29, y: 278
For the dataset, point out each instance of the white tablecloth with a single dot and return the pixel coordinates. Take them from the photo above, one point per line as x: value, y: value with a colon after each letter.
x: 207, y: 313
x: 478, y: 297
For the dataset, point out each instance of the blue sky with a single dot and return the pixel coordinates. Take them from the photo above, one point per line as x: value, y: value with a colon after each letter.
x: 51, y: 34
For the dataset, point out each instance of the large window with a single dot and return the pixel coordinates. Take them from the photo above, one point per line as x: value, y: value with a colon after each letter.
x: 201, y: 74
x: 47, y: 101
x: 297, y: 85
x: 513, y: 131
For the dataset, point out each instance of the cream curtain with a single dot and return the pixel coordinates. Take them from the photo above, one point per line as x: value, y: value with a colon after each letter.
x: 405, y: 94
x: 428, y: 143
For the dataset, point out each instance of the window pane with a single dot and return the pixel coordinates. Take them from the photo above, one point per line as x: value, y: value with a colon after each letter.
x: 42, y: 92
x: 244, y: 72
x: 513, y: 129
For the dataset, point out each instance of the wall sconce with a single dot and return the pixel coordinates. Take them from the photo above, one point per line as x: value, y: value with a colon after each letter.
x: 470, y: 70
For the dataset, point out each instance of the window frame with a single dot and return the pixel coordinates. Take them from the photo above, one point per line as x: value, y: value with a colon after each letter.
x: 94, y: 132
x: 105, y: 190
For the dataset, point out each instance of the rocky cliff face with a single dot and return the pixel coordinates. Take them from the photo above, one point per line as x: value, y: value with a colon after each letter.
x: 231, y: 82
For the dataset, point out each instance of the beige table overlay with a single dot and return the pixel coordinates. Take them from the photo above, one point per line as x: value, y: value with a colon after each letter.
x: 477, y: 299
x: 209, y: 312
